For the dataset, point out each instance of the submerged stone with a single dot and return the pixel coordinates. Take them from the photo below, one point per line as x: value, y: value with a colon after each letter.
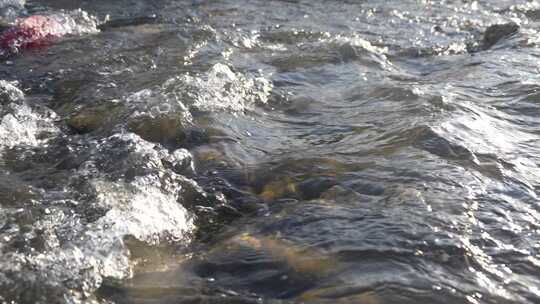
x: 91, y: 119
x: 497, y: 32
x: 279, y: 189
x: 298, y: 260
x: 162, y: 129
x: 314, y: 187
x: 339, y: 294
x: 303, y: 261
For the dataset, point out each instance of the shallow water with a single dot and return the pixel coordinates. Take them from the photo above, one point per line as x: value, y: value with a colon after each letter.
x: 273, y: 152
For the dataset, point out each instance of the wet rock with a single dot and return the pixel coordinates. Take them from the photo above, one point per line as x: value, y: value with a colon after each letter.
x: 125, y: 156
x: 289, y: 180
x: 342, y: 195
x: 367, y: 188
x: 205, y: 132
x: 206, y: 154
x: 162, y: 129
x: 89, y: 120
x: 180, y: 161
x: 67, y: 91
x: 313, y: 188
x: 437, y: 28
x: 497, y: 32
x: 286, y: 187
x: 282, y: 267
x: 339, y: 294
x: 429, y: 140
x: 9, y: 92
x: 300, y: 105
x: 299, y: 260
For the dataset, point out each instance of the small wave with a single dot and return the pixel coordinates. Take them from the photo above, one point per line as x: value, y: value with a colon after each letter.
x: 77, y: 235
x: 334, y: 49
x: 22, y: 124
x: 221, y: 89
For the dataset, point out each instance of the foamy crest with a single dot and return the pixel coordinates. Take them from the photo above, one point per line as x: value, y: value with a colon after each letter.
x: 74, y: 244
x: 221, y: 89
x: 76, y: 22
x: 20, y: 123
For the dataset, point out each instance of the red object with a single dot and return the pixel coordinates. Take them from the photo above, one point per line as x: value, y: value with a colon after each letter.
x: 30, y: 32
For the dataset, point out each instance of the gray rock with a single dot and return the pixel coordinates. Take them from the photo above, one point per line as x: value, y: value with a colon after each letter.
x: 497, y: 32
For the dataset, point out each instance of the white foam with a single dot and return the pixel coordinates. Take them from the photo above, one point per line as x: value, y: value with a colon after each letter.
x: 222, y: 89
x: 78, y: 252
x: 20, y: 124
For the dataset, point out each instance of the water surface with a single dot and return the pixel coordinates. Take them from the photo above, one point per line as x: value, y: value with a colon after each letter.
x: 273, y: 152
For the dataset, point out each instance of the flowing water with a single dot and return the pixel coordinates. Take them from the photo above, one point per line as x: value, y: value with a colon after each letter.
x: 300, y: 151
